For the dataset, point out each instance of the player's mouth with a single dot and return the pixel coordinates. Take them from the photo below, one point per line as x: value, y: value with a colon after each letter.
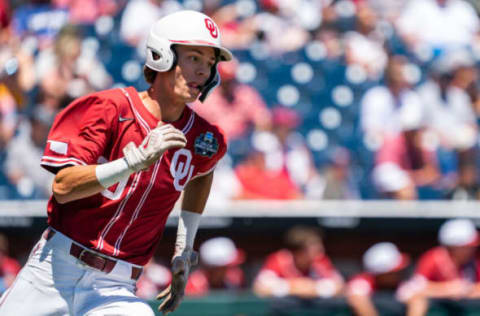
x: 194, y: 87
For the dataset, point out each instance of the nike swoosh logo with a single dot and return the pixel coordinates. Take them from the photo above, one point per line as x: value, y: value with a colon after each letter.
x: 123, y: 119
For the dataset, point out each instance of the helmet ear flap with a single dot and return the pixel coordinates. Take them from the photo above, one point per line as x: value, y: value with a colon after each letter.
x: 160, y: 56
x: 211, y: 84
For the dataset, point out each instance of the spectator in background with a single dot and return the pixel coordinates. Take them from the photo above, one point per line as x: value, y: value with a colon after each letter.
x: 286, y: 153
x: 236, y: 32
x: 66, y: 73
x: 278, y: 28
x: 139, y: 15
x: 253, y: 176
x: 87, y: 11
x: 154, y: 279
x: 219, y: 270
x: 330, y: 39
x: 24, y: 152
x: 364, y: 45
x: 381, y: 105
x: 444, y: 25
x: 39, y: 18
x: 450, y: 271
x: 449, y: 115
x: 339, y: 184
x: 384, y: 270
x: 16, y: 75
x: 9, y: 267
x: 234, y: 106
x: 405, y: 167
x: 387, y: 10
x: 301, y: 270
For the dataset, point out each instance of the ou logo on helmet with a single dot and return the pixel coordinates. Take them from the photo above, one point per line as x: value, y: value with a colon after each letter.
x: 211, y: 27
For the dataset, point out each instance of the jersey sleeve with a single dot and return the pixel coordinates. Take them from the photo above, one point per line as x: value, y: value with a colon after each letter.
x: 324, y: 268
x: 208, y: 140
x: 80, y: 133
x: 426, y: 266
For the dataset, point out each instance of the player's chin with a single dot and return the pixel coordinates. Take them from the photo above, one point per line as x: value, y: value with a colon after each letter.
x: 191, y: 97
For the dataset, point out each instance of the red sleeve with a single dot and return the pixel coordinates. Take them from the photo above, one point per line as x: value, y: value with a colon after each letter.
x: 234, y: 277
x: 80, y: 133
x: 324, y: 267
x: 280, y: 263
x: 426, y: 265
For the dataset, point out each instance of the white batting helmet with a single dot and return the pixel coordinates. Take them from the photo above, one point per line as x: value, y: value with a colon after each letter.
x: 189, y: 28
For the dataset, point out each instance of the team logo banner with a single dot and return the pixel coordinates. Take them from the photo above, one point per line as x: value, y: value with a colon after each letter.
x: 206, y: 145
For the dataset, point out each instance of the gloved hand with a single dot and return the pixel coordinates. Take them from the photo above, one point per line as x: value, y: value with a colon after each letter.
x: 158, y: 140
x: 173, y: 294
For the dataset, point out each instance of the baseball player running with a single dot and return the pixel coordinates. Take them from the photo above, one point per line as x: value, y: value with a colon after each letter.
x: 121, y: 160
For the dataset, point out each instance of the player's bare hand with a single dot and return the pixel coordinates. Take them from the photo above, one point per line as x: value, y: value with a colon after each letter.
x: 159, y: 140
x: 173, y: 294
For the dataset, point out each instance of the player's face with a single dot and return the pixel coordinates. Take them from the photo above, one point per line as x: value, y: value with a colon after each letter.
x: 462, y: 254
x: 193, y: 69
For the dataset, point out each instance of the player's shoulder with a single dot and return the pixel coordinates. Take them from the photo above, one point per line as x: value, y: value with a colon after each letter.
x: 282, y: 256
x: 202, y: 125
x: 434, y: 253
x: 112, y: 97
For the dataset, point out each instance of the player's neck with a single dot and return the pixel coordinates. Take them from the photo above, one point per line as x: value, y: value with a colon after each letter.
x: 160, y: 107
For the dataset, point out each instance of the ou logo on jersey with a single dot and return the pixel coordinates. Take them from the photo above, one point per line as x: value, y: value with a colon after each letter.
x: 181, y: 170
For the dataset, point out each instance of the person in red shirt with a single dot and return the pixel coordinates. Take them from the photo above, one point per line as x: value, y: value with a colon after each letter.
x: 122, y: 159
x: 253, y: 173
x: 220, y: 270
x: 449, y: 272
x: 301, y: 270
x: 384, y: 268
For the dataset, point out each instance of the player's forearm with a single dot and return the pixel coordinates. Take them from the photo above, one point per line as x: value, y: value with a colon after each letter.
x: 79, y: 182
x: 362, y: 305
x: 74, y: 183
x: 196, y: 193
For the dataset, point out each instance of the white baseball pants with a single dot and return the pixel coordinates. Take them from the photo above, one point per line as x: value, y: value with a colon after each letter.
x: 54, y: 283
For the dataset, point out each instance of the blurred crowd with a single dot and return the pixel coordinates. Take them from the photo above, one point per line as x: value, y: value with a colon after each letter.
x: 327, y: 99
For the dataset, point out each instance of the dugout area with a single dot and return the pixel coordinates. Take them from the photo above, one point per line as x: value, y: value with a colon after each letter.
x: 258, y: 229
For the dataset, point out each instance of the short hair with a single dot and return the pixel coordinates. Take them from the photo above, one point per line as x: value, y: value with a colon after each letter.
x: 298, y: 237
x: 149, y: 74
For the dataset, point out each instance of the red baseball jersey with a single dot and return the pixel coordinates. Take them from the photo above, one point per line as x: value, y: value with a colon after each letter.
x: 126, y: 220
x: 437, y: 265
x: 282, y: 263
x: 199, y: 284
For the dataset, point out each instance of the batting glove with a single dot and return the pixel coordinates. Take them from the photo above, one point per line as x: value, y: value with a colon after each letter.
x: 153, y: 146
x: 173, y: 294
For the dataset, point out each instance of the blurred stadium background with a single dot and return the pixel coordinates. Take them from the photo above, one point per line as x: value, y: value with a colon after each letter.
x: 358, y: 117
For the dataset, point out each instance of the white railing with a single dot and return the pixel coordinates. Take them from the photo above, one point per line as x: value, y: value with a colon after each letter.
x: 301, y: 208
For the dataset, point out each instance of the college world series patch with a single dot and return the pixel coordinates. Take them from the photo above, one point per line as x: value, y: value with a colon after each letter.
x: 206, y: 145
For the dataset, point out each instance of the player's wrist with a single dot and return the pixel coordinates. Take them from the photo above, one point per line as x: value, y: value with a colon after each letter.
x: 188, y: 223
x: 112, y: 172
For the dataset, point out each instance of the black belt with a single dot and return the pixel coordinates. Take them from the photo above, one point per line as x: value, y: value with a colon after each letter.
x: 93, y: 259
